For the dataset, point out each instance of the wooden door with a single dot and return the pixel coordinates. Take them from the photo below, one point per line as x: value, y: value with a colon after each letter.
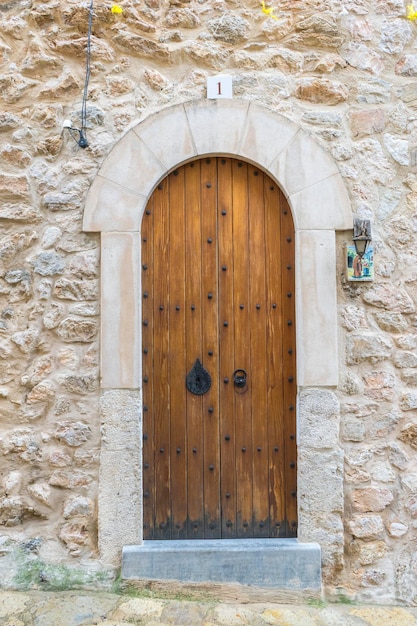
x: 219, y: 455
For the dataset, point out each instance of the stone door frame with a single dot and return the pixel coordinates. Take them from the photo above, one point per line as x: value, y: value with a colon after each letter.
x: 320, y: 205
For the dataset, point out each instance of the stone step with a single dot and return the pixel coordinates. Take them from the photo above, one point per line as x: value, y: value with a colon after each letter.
x: 267, y: 563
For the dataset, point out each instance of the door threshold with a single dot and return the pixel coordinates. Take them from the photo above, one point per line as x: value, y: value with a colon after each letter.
x: 267, y: 563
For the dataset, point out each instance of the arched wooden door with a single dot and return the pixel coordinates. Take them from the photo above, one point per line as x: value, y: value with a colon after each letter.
x: 219, y: 388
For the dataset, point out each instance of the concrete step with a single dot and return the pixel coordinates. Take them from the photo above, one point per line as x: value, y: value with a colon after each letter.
x: 267, y: 563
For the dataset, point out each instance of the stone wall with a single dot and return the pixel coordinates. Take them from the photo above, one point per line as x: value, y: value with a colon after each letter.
x: 345, y: 71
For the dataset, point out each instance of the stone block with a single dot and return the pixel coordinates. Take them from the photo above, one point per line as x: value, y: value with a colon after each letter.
x: 367, y: 122
x: 397, y: 529
x: 26, y: 340
x: 76, y: 536
x: 207, y: 54
x: 12, y: 187
x: 225, y: 120
x: 389, y: 296
x: 351, y: 385
x: 42, y: 392
x: 318, y: 419
x: 121, y: 341
x: 73, y: 433
x: 320, y: 482
x: 366, y: 527
x: 120, y: 412
x: 42, y: 492
x: 20, y: 213
x: 367, y: 347
x: 264, y: 137
x: 369, y: 552
x: 265, y: 563
x: 57, y: 88
x: 371, y: 499
x: 374, y: 91
x: 84, y: 264
x: 99, y: 213
x: 129, y: 156
x: 408, y: 401
x: 405, y: 359
x: 384, y: 425
x: 294, y: 178
x: 318, y: 31
x: 395, y: 35
x: 70, y: 479
x: 167, y: 147
x: 412, y: 506
x: 65, y: 289
x: 119, y: 502
x: 397, y: 457
x: 354, y: 430
x: 373, y: 161
x: 409, y: 482
x: 398, y: 148
x: 379, y: 385
x: 141, y: 46
x: 314, y: 205
x: 230, y: 28
x: 409, y: 377
x: 409, y: 432
x: 391, y: 322
x: 362, y: 57
x: 372, y: 578
x: 182, y: 18
x: 355, y: 475
x: 407, y: 65
x: 55, y: 201
x: 327, y: 530
x: 317, y: 359
x: 353, y: 317
x: 82, y: 384
x: 74, y: 330
x: 78, y: 506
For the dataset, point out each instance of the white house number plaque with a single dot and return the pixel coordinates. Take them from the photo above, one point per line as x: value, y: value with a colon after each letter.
x: 220, y: 86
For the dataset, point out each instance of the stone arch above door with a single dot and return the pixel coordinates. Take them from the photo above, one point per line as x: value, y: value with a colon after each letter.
x: 307, y: 175
x: 310, y: 180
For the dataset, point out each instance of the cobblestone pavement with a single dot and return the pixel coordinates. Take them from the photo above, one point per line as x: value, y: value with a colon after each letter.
x: 80, y: 608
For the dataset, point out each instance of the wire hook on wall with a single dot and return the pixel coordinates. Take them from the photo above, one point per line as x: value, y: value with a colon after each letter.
x: 81, y: 138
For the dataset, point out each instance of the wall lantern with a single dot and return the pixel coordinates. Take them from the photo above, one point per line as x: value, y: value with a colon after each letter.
x: 361, y: 235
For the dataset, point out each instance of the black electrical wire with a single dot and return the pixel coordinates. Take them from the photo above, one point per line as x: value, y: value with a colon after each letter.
x: 82, y: 142
x: 81, y: 139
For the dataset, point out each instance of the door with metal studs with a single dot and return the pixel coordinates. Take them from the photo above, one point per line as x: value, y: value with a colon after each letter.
x: 219, y: 387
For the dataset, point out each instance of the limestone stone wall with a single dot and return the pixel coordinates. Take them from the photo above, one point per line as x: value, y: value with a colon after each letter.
x: 345, y: 71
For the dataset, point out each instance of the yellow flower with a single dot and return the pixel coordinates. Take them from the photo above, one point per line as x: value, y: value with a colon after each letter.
x: 269, y: 12
x: 411, y: 12
x: 116, y: 8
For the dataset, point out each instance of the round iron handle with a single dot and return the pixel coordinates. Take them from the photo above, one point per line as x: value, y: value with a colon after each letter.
x: 239, y: 378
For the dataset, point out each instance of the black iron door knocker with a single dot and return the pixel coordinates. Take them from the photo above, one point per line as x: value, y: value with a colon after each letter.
x: 198, y: 379
x: 239, y: 378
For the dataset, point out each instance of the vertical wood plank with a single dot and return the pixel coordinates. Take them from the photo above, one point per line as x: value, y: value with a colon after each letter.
x: 177, y: 358
x: 210, y: 416
x: 242, y: 332
x: 160, y: 363
x: 147, y: 374
x: 274, y: 356
x: 257, y: 320
x: 226, y: 349
x: 193, y: 348
x: 289, y: 364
